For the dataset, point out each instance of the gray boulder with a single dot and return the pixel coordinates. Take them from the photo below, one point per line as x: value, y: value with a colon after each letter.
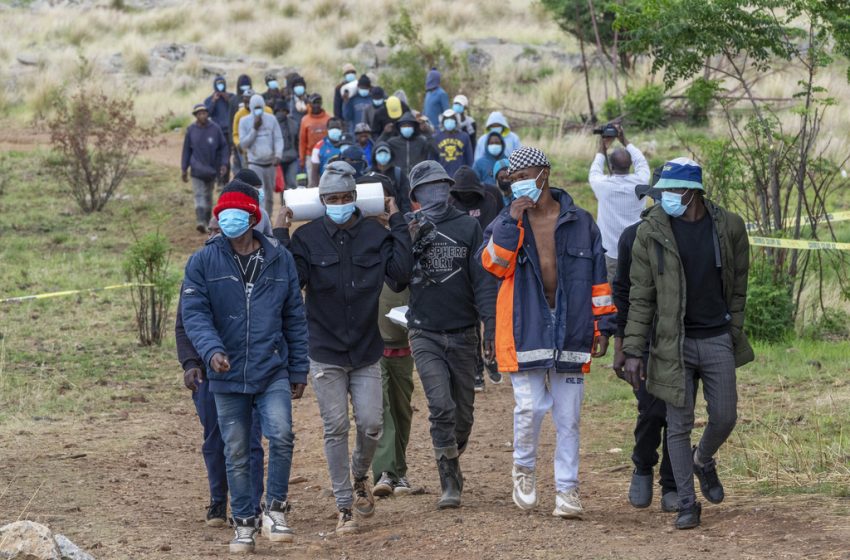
x: 26, y: 540
x: 69, y: 550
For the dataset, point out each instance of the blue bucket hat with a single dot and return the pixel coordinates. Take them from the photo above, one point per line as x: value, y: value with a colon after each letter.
x: 680, y: 173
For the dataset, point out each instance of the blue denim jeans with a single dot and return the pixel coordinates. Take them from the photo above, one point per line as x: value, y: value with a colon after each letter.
x: 213, y: 449
x: 274, y: 407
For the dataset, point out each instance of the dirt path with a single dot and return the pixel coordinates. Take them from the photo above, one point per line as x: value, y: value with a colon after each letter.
x: 131, y: 484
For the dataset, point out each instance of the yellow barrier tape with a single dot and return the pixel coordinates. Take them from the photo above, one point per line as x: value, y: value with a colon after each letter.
x: 789, y: 222
x: 798, y: 244
x: 71, y: 292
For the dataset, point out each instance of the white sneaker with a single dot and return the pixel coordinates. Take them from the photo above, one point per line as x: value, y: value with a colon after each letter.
x: 275, y: 528
x: 568, y: 505
x: 243, y: 540
x: 525, y: 487
x: 384, y: 487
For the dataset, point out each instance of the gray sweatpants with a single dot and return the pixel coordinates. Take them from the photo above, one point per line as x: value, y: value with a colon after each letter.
x: 713, y: 361
x: 267, y: 176
x: 203, y: 191
x: 332, y: 386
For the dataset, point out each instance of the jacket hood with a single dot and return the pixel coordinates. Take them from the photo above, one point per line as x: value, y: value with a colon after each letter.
x: 501, y: 141
x: 297, y: 80
x: 243, y: 80
x: 378, y: 145
x: 257, y: 102
x: 401, y: 96
x: 466, y: 180
x: 220, y: 79
x: 496, y: 118
x: 432, y: 80
x: 410, y: 119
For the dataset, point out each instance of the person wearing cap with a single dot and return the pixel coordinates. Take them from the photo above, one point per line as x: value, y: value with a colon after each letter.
x: 363, y: 137
x: 410, y: 146
x: 289, y: 130
x: 384, y: 122
x: 354, y: 156
x: 465, y: 122
x: 274, y: 91
x: 690, y: 262
x: 450, y: 296
x: 618, y: 205
x: 343, y: 261
x: 344, y: 90
x: 436, y: 99
x: 355, y: 107
x: 218, y: 105
x: 314, y: 127
x: 213, y: 445
x: 555, y: 313
x: 382, y: 163
x: 496, y: 122
x: 326, y: 149
x: 250, y: 178
x: 299, y: 101
x: 651, y: 425
x: 243, y: 111
x: 205, y: 152
x: 262, y: 142
x: 454, y: 149
x: 243, y: 312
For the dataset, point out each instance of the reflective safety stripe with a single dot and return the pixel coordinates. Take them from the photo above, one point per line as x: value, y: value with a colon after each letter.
x: 535, y: 355
x: 494, y: 258
x: 602, y: 301
x: 574, y: 357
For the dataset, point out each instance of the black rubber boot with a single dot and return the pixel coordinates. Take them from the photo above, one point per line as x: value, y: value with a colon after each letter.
x: 449, y: 482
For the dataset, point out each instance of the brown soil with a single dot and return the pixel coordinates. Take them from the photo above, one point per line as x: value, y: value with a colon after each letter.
x: 132, y: 485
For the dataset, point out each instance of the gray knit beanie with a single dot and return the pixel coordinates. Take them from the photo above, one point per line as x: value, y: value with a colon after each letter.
x: 337, y: 178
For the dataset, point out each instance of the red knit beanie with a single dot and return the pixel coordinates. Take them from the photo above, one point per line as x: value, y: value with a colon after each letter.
x: 241, y: 196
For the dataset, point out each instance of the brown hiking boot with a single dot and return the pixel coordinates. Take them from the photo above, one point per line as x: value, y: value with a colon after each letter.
x: 364, y: 501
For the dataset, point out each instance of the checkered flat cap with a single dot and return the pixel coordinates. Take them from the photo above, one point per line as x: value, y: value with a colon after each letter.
x: 526, y: 157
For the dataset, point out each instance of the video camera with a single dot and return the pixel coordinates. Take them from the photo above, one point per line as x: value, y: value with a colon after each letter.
x: 607, y: 131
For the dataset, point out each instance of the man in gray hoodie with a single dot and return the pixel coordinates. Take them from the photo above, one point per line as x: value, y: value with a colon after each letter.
x: 260, y: 138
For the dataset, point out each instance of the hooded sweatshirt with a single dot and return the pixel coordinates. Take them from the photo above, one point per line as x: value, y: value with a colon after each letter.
x: 299, y: 107
x: 204, y: 151
x: 236, y: 98
x: 469, y: 195
x: 407, y: 152
x: 512, y: 141
x: 399, y: 180
x: 484, y: 164
x: 454, y: 150
x: 219, y: 109
x: 313, y: 129
x: 354, y: 110
x: 382, y: 119
x: 436, y: 98
x: 263, y: 144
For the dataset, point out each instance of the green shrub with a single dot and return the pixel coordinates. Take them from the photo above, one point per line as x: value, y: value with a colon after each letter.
x: 770, y: 306
x: 147, y: 264
x: 701, y: 95
x: 611, y: 109
x: 643, y: 107
x: 834, y: 324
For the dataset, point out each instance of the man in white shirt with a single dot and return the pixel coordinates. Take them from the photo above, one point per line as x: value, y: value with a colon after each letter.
x: 619, y: 207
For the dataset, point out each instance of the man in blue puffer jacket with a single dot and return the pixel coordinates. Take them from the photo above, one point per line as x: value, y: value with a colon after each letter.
x: 243, y: 312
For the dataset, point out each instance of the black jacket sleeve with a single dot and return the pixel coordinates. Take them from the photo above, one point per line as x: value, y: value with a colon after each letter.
x: 622, y: 283
x: 485, y: 287
x: 186, y: 354
x: 398, y: 254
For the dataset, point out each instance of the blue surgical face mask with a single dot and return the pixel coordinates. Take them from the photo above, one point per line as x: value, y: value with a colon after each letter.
x: 494, y: 149
x: 299, y: 90
x: 350, y: 77
x: 449, y: 124
x: 245, y: 88
x: 363, y: 92
x: 233, y: 222
x: 258, y: 112
x: 219, y: 86
x: 528, y: 188
x: 335, y: 134
x: 273, y: 84
x: 261, y: 192
x: 340, y: 213
x: 406, y: 131
x: 671, y: 203
x: 383, y: 157
x: 377, y: 102
x: 458, y: 108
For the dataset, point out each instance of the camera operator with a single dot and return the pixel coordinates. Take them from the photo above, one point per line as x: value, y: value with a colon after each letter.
x: 619, y: 207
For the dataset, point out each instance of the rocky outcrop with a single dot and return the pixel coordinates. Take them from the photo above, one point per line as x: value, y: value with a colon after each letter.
x: 27, y: 540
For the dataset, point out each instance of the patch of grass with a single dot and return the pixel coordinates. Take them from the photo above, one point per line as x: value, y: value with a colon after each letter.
x: 348, y: 40
x: 275, y: 43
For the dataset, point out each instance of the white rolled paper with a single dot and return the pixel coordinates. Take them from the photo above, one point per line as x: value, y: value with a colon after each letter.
x: 398, y: 315
x: 306, y: 205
